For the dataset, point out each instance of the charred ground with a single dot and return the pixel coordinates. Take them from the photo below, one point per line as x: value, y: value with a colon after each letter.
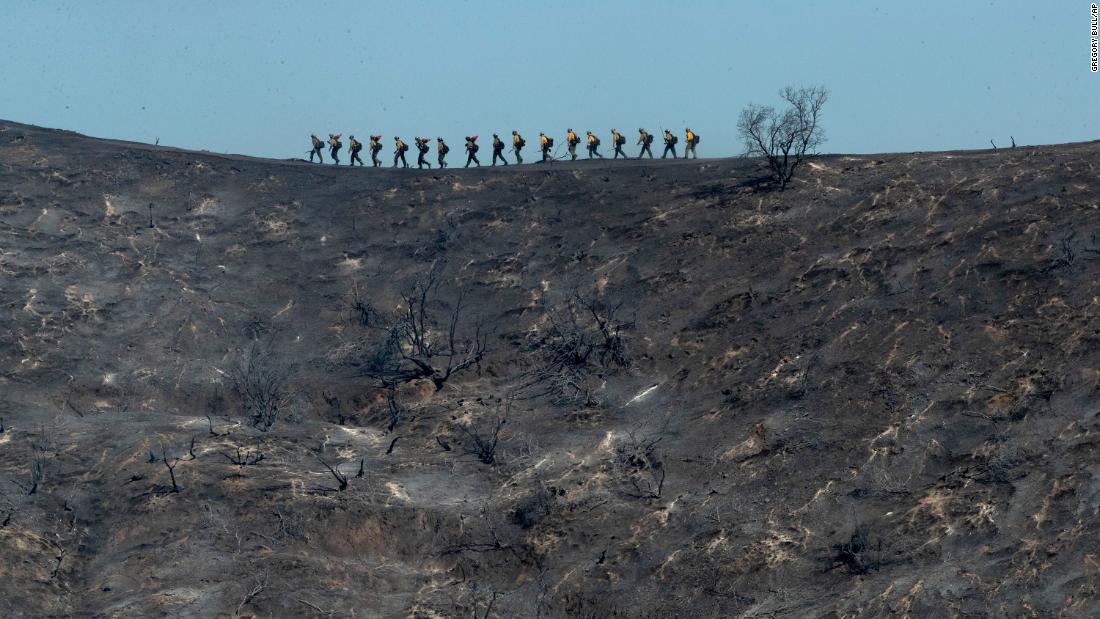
x: 872, y: 393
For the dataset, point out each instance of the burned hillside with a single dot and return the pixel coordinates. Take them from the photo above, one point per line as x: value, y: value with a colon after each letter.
x: 245, y: 387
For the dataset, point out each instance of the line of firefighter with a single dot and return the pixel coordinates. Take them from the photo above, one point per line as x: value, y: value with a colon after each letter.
x: 546, y: 143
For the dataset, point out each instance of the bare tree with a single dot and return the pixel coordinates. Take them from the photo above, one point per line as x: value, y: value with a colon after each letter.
x: 784, y: 139
x: 340, y: 477
x: 484, y: 446
x: 259, y: 583
x: 427, y: 341
x: 247, y: 458
x: 261, y: 384
x: 171, y: 469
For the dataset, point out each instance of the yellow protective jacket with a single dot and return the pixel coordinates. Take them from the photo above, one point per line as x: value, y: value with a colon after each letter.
x: 591, y: 139
x: 400, y: 145
x: 516, y: 139
x: 543, y: 140
x: 690, y: 136
x: 571, y: 138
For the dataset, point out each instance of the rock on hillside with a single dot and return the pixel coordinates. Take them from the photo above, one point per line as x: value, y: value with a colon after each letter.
x: 872, y: 394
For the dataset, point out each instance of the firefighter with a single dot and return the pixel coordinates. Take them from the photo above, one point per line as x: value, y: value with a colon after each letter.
x: 442, y: 148
x: 572, y: 140
x: 545, y: 144
x: 471, y: 151
x: 375, y: 148
x: 670, y: 144
x: 334, y: 146
x: 645, y: 139
x: 689, y: 145
x: 399, y: 148
x: 317, y: 146
x: 593, y: 144
x: 498, y: 150
x: 422, y: 148
x: 517, y: 145
x: 618, y: 141
x: 354, y: 146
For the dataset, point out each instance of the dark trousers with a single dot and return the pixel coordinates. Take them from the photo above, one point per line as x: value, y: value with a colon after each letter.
x: 669, y: 147
x: 421, y: 161
x: 619, y: 152
x: 573, y: 150
x: 689, y: 149
x: 546, y: 154
x: 471, y: 157
x: 334, y: 153
x: 374, y: 157
x: 442, y: 162
x: 316, y: 151
x: 519, y: 157
x: 645, y: 149
x: 499, y: 152
x: 400, y: 154
x: 592, y: 152
x: 355, y: 157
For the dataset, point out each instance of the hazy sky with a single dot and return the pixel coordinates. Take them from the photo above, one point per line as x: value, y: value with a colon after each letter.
x: 258, y: 77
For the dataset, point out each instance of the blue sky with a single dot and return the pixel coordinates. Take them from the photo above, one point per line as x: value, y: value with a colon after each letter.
x: 258, y: 77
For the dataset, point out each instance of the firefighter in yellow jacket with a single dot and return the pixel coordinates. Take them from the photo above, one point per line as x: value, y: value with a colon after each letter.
x: 517, y: 145
x: 618, y: 141
x: 645, y: 138
x: 593, y: 144
x: 689, y: 146
x: 399, y: 148
x: 572, y: 140
x: 354, y: 146
x: 545, y: 144
x: 375, y: 148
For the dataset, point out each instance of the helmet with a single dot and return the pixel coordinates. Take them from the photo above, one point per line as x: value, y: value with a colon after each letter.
x: 568, y: 129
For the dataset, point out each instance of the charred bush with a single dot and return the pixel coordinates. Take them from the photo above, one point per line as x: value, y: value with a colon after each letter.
x: 640, y: 466
x: 857, y: 555
x: 428, y: 339
x: 260, y: 382
x: 482, y: 444
x: 581, y: 340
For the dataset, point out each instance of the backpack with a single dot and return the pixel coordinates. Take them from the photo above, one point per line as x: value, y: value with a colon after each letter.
x: 596, y: 142
x: 674, y: 140
x: 473, y: 147
x: 404, y: 147
x: 648, y: 138
x: 696, y: 140
x: 549, y: 142
x: 446, y: 149
x: 422, y: 147
x: 619, y: 141
x: 522, y: 142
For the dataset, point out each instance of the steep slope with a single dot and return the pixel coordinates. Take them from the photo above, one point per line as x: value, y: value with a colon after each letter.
x: 873, y: 393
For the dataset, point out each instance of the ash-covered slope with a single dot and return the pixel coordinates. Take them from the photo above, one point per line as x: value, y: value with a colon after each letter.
x: 874, y: 393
